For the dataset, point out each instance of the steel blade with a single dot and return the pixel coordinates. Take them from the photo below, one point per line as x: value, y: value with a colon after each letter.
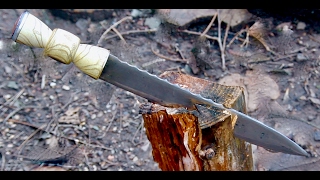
x: 255, y: 132
x: 149, y: 86
x: 160, y: 91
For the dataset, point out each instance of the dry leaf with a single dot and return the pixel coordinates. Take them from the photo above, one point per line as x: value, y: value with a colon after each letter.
x: 71, y: 116
x: 260, y: 87
x: 257, y: 87
x: 257, y: 30
x: 234, y: 17
x: 182, y: 17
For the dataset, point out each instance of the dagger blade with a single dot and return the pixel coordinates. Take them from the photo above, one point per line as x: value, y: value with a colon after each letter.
x: 157, y: 90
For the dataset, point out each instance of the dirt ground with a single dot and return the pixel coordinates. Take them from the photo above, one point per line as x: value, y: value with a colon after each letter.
x: 48, y: 108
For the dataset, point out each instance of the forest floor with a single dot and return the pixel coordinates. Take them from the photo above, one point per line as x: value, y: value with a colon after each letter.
x: 47, y: 108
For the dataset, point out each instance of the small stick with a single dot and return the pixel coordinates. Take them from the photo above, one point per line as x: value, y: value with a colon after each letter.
x: 12, y: 99
x: 199, y: 34
x: 117, y: 32
x: 18, y: 68
x: 113, y: 117
x: 225, y: 36
x: 16, y: 97
x: 236, y: 36
x: 246, y: 41
x: 168, y: 58
x: 314, y: 39
x: 114, y: 25
x: 120, y: 36
x: 29, y: 137
x: 71, y: 139
x: 220, y: 43
x: 43, y: 81
x: 131, y: 32
x: 135, y: 134
x: 17, y: 110
x: 180, y: 53
x: 209, y: 25
x: 152, y: 62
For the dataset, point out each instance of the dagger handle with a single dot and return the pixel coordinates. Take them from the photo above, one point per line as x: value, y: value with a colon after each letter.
x: 60, y: 45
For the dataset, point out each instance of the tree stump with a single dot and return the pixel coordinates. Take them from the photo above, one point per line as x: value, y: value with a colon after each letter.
x: 198, y: 140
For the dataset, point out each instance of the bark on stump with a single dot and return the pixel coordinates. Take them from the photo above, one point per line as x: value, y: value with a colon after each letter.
x: 203, y: 140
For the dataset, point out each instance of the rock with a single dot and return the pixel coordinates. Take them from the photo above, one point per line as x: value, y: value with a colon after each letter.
x: 301, y: 57
x: 53, y: 84
x: 153, y: 22
x: 136, y: 13
x: 301, y: 26
x: 65, y: 87
x: 316, y: 135
x: 13, y: 85
x: 7, y: 69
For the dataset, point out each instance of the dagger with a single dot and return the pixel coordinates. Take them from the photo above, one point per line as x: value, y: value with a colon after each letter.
x: 98, y: 63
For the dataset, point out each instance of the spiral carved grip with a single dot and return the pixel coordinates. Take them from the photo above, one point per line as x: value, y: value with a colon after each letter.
x: 60, y: 45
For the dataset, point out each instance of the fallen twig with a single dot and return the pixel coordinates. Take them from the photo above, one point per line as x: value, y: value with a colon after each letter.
x: 71, y: 139
x: 199, y: 34
x: 168, y: 58
x: 131, y: 32
x: 13, y: 99
x: 236, y: 36
x: 17, y: 110
x: 117, y: 32
x: 180, y: 53
x: 103, y: 36
x: 29, y: 137
x: 209, y: 25
x: 113, y: 117
x: 222, y: 49
x: 120, y: 36
x: 135, y: 134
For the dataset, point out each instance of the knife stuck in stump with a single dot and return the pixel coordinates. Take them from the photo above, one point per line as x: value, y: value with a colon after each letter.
x: 98, y: 63
x: 200, y: 140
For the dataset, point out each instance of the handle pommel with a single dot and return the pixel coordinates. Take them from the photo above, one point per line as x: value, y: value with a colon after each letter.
x: 60, y: 45
x: 30, y: 31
